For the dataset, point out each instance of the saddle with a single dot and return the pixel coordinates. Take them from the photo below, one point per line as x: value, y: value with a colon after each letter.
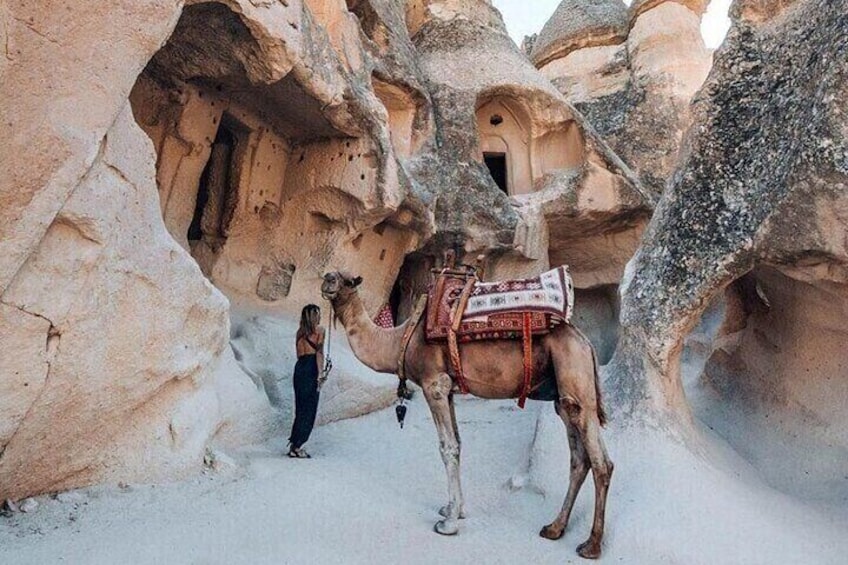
x: 461, y: 309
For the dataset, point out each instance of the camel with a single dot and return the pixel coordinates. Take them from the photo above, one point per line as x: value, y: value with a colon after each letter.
x: 493, y: 370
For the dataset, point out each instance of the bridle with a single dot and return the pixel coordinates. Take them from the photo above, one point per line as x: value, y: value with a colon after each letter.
x: 328, y: 360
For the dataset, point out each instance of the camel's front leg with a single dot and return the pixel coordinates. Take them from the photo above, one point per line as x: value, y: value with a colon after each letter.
x: 445, y: 510
x: 437, y: 393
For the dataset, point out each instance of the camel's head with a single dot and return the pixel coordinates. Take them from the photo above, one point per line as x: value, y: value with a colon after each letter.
x: 339, y: 285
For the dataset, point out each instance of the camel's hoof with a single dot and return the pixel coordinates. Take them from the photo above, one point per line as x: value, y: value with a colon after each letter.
x: 446, y: 527
x: 444, y: 512
x: 550, y: 532
x: 589, y: 549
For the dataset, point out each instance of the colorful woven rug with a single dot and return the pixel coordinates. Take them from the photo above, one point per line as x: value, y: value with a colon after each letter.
x: 499, y: 307
x: 551, y: 292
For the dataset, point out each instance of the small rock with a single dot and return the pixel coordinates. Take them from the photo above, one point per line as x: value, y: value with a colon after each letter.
x: 9, y: 507
x: 219, y: 461
x: 517, y: 482
x: 29, y: 505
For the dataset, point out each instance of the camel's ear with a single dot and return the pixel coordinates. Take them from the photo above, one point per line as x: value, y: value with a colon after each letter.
x: 357, y: 281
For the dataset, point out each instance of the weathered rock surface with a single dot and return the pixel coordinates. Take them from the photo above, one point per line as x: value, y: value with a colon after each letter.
x: 79, y: 48
x: 756, y: 210
x: 231, y: 153
x: 120, y: 340
x: 577, y: 24
x: 265, y: 348
x: 632, y: 75
x: 121, y: 367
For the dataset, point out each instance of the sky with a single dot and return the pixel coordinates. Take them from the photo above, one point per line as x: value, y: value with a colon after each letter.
x: 526, y: 17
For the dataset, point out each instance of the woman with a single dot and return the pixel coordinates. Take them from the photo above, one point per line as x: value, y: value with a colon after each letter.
x: 310, y: 357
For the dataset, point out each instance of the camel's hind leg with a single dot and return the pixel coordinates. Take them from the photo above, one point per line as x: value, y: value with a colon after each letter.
x: 437, y: 392
x: 588, y: 427
x: 574, y: 362
x: 579, y: 469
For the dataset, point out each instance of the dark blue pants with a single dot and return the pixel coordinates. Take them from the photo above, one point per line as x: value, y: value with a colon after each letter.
x: 305, y: 399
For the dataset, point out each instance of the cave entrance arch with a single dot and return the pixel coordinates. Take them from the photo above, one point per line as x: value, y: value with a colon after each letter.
x: 765, y: 369
x: 504, y: 129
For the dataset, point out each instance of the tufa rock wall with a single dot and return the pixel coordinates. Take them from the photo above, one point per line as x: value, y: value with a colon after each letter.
x: 754, y: 213
x: 632, y: 73
x: 189, y: 164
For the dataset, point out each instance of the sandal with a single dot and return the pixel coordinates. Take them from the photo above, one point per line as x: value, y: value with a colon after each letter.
x: 297, y: 453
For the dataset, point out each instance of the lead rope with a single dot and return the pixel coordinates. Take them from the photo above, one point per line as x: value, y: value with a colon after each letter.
x: 328, y: 361
x: 412, y: 324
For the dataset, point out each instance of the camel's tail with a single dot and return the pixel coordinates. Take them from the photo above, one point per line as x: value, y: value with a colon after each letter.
x: 602, y: 415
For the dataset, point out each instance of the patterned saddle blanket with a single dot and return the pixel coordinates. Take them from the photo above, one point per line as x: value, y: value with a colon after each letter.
x: 497, y: 310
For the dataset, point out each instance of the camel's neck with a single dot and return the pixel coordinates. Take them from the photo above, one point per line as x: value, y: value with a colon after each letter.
x: 376, y: 347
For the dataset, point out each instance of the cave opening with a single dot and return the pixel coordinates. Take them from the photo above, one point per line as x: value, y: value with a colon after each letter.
x: 224, y: 133
x: 412, y: 281
x: 217, y: 191
x: 496, y: 163
x: 764, y: 370
x: 504, y: 127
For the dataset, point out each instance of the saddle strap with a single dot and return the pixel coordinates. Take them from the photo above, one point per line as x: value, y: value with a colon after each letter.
x: 417, y: 312
x: 433, y: 310
x: 462, y: 303
x: 527, y: 343
x: 456, y: 362
x: 453, y: 344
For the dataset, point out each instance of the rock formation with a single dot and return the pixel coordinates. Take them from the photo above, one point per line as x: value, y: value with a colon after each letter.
x: 211, y: 163
x: 176, y: 190
x: 268, y: 168
x: 755, y: 213
x: 564, y: 196
x: 631, y: 73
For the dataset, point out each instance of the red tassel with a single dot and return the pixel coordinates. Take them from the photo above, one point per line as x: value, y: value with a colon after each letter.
x: 527, y: 342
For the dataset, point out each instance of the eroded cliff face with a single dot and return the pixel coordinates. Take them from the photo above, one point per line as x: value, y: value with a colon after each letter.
x: 212, y: 163
x: 270, y: 181
x: 255, y: 154
x: 554, y: 193
x: 755, y: 212
x: 631, y: 72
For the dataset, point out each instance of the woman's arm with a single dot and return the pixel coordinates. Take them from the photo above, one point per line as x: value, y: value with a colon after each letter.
x: 320, y: 353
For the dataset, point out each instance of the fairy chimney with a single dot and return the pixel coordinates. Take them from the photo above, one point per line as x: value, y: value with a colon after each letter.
x: 631, y: 72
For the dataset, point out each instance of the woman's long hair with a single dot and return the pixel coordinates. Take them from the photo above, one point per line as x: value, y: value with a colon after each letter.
x: 310, y: 319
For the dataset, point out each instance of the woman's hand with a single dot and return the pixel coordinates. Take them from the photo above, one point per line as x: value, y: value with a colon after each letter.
x: 325, y: 372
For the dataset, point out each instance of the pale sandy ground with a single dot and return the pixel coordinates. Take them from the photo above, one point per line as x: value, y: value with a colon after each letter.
x: 371, y: 492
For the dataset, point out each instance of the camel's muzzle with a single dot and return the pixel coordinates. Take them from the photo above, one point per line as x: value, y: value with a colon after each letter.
x: 329, y: 288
